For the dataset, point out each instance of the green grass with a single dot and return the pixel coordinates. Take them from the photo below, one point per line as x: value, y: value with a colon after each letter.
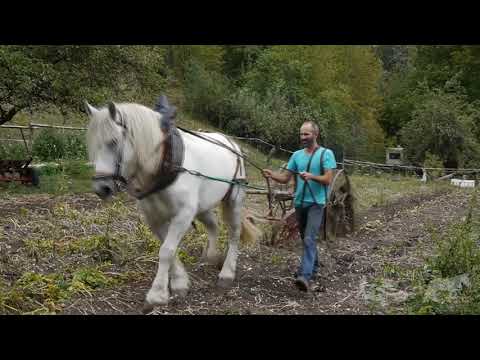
x: 35, y: 293
x: 67, y: 176
x: 68, y: 252
x: 376, y: 191
x: 446, y: 277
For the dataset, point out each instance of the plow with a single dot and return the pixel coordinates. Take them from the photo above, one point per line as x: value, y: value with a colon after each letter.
x: 19, y: 171
x: 339, y: 212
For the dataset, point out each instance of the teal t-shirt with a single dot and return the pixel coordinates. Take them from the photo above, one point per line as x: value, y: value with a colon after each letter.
x: 298, y: 163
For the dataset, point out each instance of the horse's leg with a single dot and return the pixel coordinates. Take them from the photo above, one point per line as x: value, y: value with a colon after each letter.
x: 158, y: 294
x: 210, y: 252
x: 232, y: 211
x: 179, y: 281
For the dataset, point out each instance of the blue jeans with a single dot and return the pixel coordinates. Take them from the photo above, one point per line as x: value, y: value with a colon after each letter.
x: 310, y: 222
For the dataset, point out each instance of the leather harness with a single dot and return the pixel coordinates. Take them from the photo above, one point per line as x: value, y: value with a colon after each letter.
x: 171, y: 167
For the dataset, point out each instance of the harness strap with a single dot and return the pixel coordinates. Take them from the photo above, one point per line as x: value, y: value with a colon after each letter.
x: 324, y: 187
x: 173, y: 161
x: 324, y: 220
x: 326, y: 200
x: 238, y: 167
x: 306, y: 181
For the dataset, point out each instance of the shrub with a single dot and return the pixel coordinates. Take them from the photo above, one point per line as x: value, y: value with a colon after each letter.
x: 13, y: 151
x: 51, y: 145
x: 433, y: 161
x: 48, y: 146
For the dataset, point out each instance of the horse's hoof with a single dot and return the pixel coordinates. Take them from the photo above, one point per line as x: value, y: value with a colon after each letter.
x: 216, y: 261
x: 224, y: 284
x: 181, y: 293
x: 156, y: 300
x: 147, y: 308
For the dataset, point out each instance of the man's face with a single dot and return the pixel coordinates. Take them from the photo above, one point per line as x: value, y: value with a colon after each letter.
x: 307, y: 135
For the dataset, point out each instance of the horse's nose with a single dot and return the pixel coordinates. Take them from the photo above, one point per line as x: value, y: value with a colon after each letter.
x: 103, y: 191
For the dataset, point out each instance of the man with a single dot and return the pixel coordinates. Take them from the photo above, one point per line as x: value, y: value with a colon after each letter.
x: 310, y: 196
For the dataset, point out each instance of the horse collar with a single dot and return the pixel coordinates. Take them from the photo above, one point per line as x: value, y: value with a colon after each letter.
x: 172, y: 162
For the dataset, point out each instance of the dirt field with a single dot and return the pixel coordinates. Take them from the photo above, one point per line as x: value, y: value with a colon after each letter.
x: 396, y: 236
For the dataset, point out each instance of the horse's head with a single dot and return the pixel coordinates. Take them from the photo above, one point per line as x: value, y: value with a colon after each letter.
x: 108, y: 147
x: 125, y: 144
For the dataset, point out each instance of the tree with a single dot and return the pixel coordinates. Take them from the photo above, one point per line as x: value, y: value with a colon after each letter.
x: 36, y: 76
x: 431, y: 66
x: 346, y: 80
x: 179, y: 57
x: 395, y: 58
x: 238, y: 59
x: 443, y: 124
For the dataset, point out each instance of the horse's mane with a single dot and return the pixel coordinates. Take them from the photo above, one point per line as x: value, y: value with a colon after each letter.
x: 143, y: 126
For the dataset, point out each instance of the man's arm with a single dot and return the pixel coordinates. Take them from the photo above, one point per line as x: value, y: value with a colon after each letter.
x: 321, y: 179
x: 329, y: 164
x: 282, y: 178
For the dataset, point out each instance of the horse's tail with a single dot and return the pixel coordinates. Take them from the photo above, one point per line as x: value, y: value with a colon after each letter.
x: 250, y: 234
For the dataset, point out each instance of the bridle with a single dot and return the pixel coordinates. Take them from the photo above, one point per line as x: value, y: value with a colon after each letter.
x: 166, y: 175
x: 116, y: 177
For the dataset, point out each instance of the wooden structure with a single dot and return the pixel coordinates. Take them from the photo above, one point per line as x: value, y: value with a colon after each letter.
x: 340, y: 215
x: 395, y: 156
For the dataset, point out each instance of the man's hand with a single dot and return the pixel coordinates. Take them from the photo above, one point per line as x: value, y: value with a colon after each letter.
x: 267, y: 173
x: 325, y: 179
x: 282, y: 178
x: 306, y: 176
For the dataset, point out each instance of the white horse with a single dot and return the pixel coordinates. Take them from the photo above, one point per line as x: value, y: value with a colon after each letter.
x: 128, y: 142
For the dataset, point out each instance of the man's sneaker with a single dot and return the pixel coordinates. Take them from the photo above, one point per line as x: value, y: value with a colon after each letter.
x: 302, y: 284
x: 314, y: 276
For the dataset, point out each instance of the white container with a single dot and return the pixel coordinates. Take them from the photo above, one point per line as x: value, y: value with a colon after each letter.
x: 463, y: 183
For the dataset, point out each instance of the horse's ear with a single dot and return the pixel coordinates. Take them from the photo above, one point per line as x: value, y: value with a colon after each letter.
x: 115, y: 115
x: 162, y: 104
x: 112, y: 109
x: 89, y: 109
x: 173, y: 112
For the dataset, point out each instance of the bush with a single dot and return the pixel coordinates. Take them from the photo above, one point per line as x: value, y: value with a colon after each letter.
x: 443, y: 124
x: 48, y: 146
x: 458, y: 253
x: 205, y: 92
x: 433, y: 161
x: 77, y: 169
x: 52, y: 145
x: 75, y: 147
x: 451, y: 279
x: 13, y: 151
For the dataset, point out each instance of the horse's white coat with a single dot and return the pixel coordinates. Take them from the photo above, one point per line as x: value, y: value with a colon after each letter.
x: 170, y: 212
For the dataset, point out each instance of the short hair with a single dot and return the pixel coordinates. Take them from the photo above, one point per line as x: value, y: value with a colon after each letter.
x: 314, y: 126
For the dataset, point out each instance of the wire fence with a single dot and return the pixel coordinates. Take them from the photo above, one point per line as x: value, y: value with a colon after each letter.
x: 270, y: 155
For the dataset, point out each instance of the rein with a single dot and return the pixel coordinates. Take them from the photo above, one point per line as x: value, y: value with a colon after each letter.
x: 175, y: 170
x: 239, y: 154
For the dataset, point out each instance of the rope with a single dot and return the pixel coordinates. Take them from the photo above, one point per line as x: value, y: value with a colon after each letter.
x: 263, y: 142
x: 406, y: 167
x: 231, y: 182
x: 239, y: 154
x: 219, y: 143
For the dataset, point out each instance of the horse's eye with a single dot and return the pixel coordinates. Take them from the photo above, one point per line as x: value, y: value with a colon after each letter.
x: 112, y: 145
